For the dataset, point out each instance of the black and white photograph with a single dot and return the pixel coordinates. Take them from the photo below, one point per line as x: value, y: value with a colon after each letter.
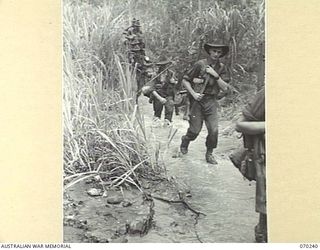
x: 163, y: 110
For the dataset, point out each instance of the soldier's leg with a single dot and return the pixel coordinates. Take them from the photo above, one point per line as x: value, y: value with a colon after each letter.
x: 195, y: 125
x: 186, y: 108
x: 260, y: 230
x: 211, y: 121
x: 212, y: 127
x: 140, y: 84
x: 177, y: 103
x: 157, y: 108
x: 151, y: 98
x: 168, y: 109
x: 176, y: 109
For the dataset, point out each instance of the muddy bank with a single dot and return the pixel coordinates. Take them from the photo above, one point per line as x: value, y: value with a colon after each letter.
x: 98, y: 218
x: 125, y: 215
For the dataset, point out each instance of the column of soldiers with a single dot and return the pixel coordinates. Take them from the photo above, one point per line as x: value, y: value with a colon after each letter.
x: 137, y: 55
x: 145, y: 70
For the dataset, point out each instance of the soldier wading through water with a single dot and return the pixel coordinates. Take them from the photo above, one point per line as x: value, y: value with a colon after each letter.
x: 204, y: 81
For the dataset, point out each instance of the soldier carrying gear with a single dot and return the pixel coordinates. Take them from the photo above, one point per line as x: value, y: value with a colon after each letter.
x: 136, y: 53
x: 162, y: 92
x: 204, y: 82
x: 135, y: 43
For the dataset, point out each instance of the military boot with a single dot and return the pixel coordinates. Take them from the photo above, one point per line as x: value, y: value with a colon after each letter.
x: 210, y: 158
x: 260, y: 230
x: 184, y: 145
x: 260, y: 234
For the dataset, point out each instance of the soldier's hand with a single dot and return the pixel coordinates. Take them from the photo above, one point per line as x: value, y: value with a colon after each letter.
x: 197, y: 96
x: 163, y: 100
x: 211, y: 71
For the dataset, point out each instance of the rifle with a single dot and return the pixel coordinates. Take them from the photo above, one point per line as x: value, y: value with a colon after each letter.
x: 205, y: 84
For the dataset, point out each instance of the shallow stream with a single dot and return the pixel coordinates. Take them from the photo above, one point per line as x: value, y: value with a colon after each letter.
x: 219, y: 191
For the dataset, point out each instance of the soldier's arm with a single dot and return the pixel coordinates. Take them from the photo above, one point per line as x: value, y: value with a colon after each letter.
x: 150, y: 89
x: 221, y: 79
x: 223, y: 85
x: 189, y: 78
x: 187, y: 85
x: 160, y: 98
x: 224, y: 79
x: 250, y: 127
x: 147, y: 89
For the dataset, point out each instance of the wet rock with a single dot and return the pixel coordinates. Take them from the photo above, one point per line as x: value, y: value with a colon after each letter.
x: 143, y: 222
x: 137, y: 226
x: 94, y: 192
x: 126, y: 203
x: 115, y: 199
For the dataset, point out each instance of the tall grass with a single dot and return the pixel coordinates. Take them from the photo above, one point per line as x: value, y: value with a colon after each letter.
x: 104, y: 130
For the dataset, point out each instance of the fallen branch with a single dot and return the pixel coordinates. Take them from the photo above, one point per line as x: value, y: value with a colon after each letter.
x: 178, y: 201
